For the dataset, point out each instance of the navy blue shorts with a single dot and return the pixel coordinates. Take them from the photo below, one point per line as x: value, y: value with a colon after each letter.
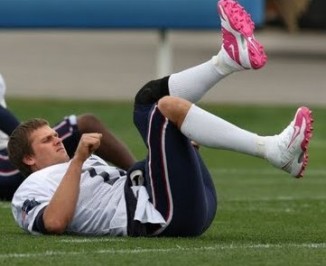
x: 11, y: 178
x: 178, y: 182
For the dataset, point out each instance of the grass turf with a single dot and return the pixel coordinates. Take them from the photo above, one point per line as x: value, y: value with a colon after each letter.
x: 264, y: 217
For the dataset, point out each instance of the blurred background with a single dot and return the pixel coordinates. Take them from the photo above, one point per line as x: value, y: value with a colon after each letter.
x: 107, y: 49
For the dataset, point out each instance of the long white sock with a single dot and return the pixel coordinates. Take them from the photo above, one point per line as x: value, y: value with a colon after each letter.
x: 191, y: 84
x: 212, y: 131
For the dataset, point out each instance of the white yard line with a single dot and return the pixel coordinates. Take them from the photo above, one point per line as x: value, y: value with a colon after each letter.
x: 224, y: 199
x: 259, y: 171
x: 5, y: 205
x: 91, y: 240
x: 165, y: 250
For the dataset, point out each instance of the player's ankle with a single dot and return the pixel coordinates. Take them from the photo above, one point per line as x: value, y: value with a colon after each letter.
x: 221, y: 66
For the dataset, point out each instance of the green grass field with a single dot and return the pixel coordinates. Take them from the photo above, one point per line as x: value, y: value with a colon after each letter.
x: 265, y: 217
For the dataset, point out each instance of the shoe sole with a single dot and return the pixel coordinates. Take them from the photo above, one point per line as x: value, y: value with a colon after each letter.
x: 240, y: 21
x: 306, y: 114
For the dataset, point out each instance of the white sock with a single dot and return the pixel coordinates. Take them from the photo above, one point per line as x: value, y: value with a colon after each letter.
x: 225, y: 64
x: 212, y: 131
x: 191, y: 84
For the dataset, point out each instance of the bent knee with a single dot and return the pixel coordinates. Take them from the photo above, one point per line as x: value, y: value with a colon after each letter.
x: 174, y: 108
x: 86, y: 122
x: 152, y: 91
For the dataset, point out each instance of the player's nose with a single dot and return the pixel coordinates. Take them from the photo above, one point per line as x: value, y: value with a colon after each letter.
x: 57, y: 141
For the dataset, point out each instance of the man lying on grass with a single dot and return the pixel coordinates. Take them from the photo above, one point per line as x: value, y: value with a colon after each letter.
x: 170, y: 192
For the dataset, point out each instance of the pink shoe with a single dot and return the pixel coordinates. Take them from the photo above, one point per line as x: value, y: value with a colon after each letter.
x: 289, y: 151
x: 239, y: 43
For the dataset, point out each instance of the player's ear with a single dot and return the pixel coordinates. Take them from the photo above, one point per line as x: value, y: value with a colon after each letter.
x: 28, y: 160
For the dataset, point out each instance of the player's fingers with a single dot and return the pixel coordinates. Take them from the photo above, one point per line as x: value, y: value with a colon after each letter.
x: 94, y: 135
x: 92, y: 141
x: 91, y: 137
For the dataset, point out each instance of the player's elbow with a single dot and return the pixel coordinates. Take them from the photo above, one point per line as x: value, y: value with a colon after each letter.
x: 55, y: 226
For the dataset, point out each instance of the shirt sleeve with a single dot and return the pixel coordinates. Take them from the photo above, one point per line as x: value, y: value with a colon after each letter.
x: 27, y: 213
x: 27, y: 206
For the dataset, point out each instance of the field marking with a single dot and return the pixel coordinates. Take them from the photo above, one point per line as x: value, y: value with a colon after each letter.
x: 318, y: 144
x: 5, y: 205
x: 259, y: 171
x: 165, y: 250
x: 92, y: 240
x: 225, y: 199
x: 275, y: 199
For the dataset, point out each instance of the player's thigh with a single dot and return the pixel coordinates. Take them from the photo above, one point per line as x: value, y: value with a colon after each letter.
x: 177, y: 186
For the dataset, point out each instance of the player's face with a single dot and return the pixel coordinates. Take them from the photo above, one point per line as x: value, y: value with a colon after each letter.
x: 47, y: 147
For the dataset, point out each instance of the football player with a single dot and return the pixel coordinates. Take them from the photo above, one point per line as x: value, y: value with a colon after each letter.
x: 170, y: 192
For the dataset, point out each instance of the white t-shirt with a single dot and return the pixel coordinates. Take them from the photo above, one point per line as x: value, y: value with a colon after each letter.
x: 101, y: 207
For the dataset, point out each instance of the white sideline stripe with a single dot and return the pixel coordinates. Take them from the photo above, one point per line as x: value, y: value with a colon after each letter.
x: 318, y: 144
x: 281, y: 198
x: 274, y: 199
x: 5, y: 205
x: 164, y: 250
x: 258, y: 171
x: 92, y: 240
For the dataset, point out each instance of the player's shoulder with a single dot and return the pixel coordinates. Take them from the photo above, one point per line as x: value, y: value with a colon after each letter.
x: 41, y: 177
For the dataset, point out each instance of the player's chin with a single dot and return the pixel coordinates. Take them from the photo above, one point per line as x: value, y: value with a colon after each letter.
x: 62, y: 159
x: 63, y: 155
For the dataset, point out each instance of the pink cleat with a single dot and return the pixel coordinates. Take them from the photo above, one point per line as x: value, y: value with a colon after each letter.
x: 290, y: 149
x: 240, y: 49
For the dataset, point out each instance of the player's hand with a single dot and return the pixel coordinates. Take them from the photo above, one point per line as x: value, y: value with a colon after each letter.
x: 89, y: 142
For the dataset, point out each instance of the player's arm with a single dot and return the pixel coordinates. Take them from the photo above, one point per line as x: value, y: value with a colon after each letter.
x: 112, y: 149
x: 60, y: 211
